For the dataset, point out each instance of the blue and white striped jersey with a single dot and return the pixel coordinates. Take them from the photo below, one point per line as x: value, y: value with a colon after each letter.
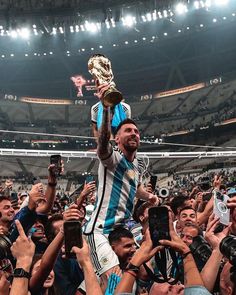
x: 118, y: 181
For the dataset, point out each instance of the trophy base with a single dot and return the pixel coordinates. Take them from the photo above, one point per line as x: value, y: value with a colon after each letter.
x: 112, y: 97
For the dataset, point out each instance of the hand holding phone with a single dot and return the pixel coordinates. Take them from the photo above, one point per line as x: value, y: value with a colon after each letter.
x: 56, y: 160
x: 159, y: 224
x: 220, y: 208
x: 72, y: 236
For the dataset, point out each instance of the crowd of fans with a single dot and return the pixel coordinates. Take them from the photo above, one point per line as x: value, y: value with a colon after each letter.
x: 32, y: 239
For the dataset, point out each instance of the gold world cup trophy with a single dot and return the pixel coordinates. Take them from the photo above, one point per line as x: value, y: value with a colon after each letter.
x: 99, y: 66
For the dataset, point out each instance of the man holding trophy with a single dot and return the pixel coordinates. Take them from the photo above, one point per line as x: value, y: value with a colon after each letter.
x: 119, y: 172
x: 100, y: 67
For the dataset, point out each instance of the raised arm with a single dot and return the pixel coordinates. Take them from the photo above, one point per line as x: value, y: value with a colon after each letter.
x: 104, y: 148
x: 23, y: 250
x: 83, y: 257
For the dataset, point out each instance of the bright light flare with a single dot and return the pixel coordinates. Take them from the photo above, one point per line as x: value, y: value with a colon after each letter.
x: 181, y: 8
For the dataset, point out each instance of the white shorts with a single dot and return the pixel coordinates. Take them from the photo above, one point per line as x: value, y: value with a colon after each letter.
x: 102, y: 255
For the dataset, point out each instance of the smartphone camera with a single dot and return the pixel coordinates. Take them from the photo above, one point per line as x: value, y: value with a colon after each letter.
x: 220, y: 208
x: 56, y: 160
x: 73, y: 237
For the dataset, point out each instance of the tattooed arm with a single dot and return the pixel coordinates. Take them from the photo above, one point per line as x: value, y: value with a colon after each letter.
x: 104, y: 147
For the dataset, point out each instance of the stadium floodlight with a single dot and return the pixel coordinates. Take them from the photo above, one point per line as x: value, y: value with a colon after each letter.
x: 13, y: 34
x: 196, y: 4
x: 165, y: 13
x: 91, y: 27
x: 61, y: 30
x: 54, y: 31
x: 107, y: 24
x: 181, y: 8
x: 221, y: 2
x: 154, y: 15
x: 24, y: 33
x: 72, y: 29
x: 128, y: 20
x: 149, y: 17
x: 144, y: 18
x: 77, y: 28
x: 113, y: 23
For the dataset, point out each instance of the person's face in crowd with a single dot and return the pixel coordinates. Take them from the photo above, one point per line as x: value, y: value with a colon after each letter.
x: 187, y: 234
x: 187, y: 216
x: 166, y: 289
x: 124, y: 249
x: 7, y: 211
x: 226, y: 285
x: 38, y: 230
x: 50, y: 279
x: 128, y: 137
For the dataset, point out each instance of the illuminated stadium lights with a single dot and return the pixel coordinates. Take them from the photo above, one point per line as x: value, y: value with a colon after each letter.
x: 154, y: 15
x: 44, y: 53
x: 100, y: 46
x: 24, y: 33
x: 128, y: 20
x: 13, y: 34
x: 35, y: 32
x: 149, y: 17
x: 160, y: 14
x: 181, y: 8
x: 35, y: 54
x: 54, y: 31
x: 114, y: 45
x: 50, y: 52
x: 165, y: 34
x: 196, y: 4
x: 82, y: 49
x: 165, y: 13
x: 72, y: 29
x: 82, y: 28
x: 221, y: 2
x: 233, y: 14
x: 107, y: 23
x: 144, y: 38
x: 12, y: 55
x: 67, y: 51
x: 201, y: 25
x: 179, y: 31
x: 144, y: 18
x: 3, y: 55
x: 61, y: 30
x: 214, y: 20
x: 113, y: 23
x: 126, y: 42
x: 91, y: 27
x: 92, y: 49
x: 26, y: 54
x: 77, y: 28
x: 187, y: 28
x: 34, y: 26
x: 135, y: 41
x: 224, y: 17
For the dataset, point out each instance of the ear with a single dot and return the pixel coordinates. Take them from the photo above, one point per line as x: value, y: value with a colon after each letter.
x: 117, y: 138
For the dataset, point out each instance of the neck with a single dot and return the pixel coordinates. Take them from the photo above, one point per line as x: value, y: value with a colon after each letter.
x: 129, y: 155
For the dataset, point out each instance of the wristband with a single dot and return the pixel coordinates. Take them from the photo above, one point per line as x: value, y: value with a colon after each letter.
x: 21, y: 273
x: 186, y: 254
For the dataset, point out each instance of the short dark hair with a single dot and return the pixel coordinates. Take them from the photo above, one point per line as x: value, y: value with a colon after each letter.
x: 195, y: 226
x: 4, y: 198
x: 187, y: 208
x: 124, y: 122
x: 178, y: 202
x: 118, y: 233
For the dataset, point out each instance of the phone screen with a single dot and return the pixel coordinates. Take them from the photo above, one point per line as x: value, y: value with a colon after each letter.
x: 153, y: 181
x: 220, y: 208
x: 159, y: 224
x: 56, y: 160
x: 89, y: 178
x: 73, y: 237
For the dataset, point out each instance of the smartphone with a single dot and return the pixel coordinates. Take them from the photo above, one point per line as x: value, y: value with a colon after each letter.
x: 89, y: 178
x: 153, y: 181
x: 73, y: 236
x: 220, y: 208
x: 159, y: 224
x: 56, y: 160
